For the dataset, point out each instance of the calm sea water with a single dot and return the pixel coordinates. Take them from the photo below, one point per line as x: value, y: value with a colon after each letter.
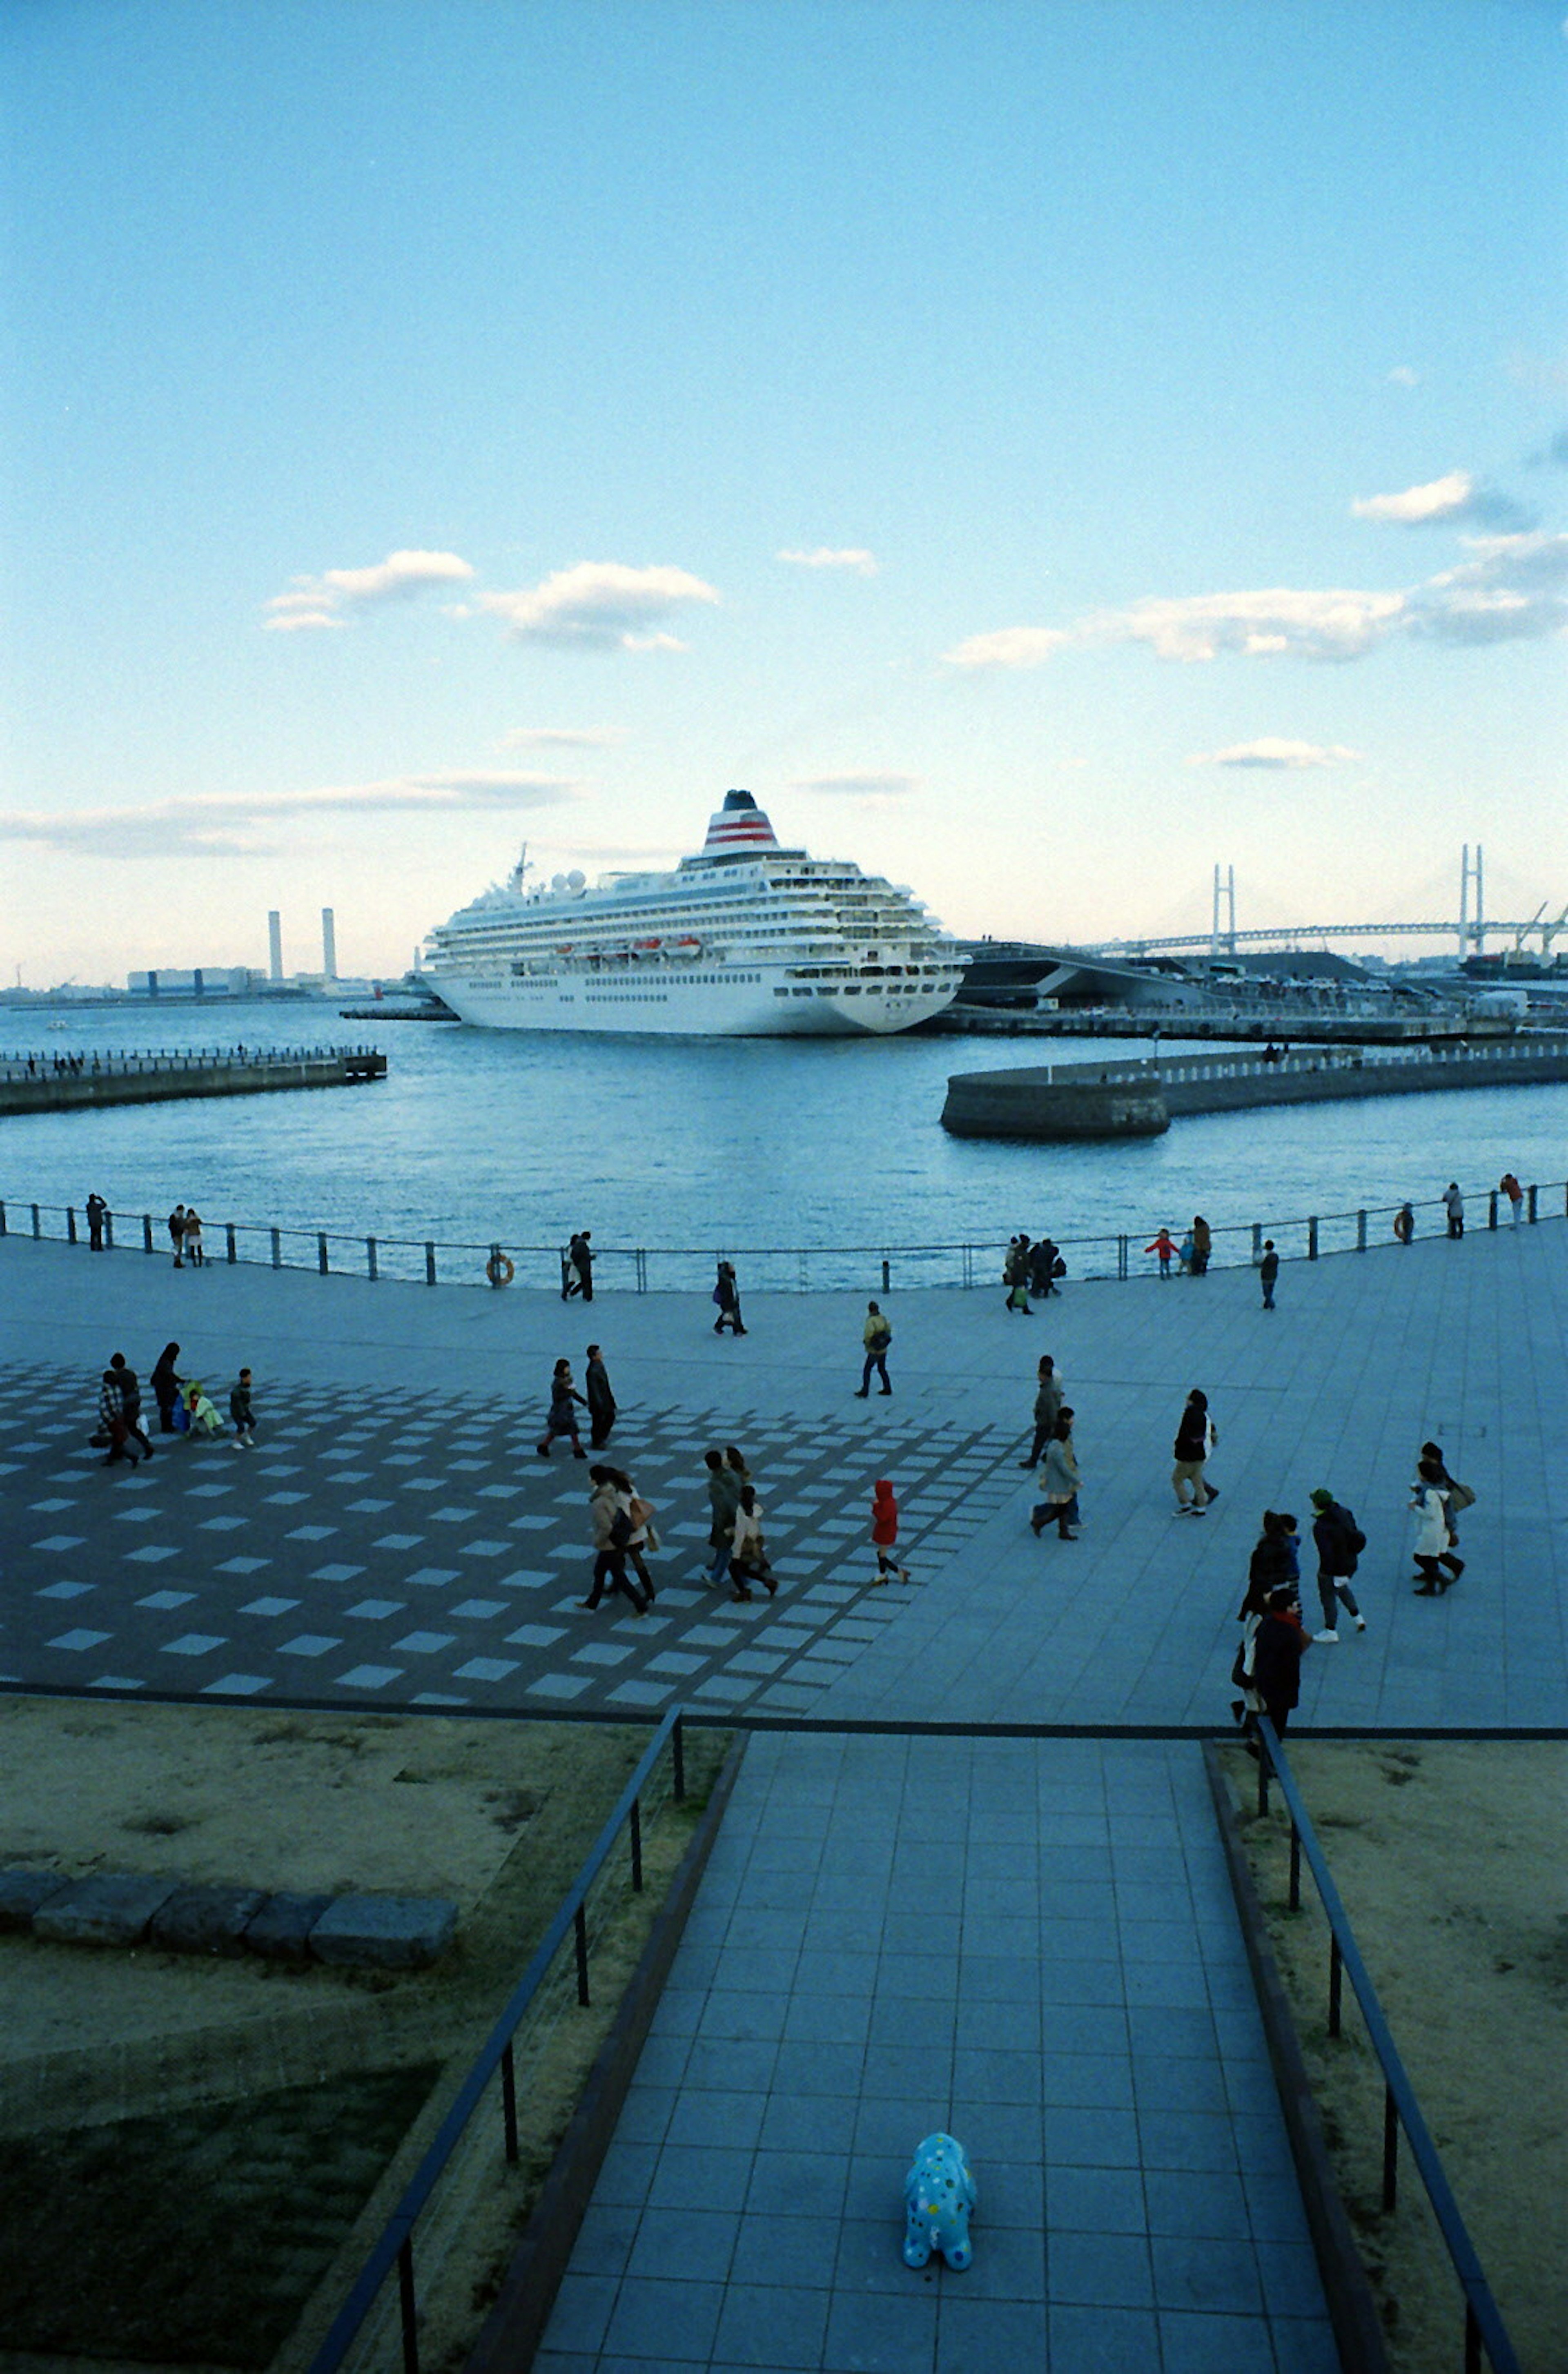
x: 478, y: 1136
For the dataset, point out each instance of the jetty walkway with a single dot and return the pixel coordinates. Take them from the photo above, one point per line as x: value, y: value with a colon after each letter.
x: 1054, y: 1103
x: 59, y: 1082
x: 1027, y: 1938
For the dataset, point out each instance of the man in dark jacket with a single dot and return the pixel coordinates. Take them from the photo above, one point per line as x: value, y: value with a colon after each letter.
x: 1279, y: 1646
x: 1267, y: 1271
x: 601, y: 1401
x: 580, y: 1256
x: 1341, y: 1542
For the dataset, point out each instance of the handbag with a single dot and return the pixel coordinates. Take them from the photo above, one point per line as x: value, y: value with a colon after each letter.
x: 642, y: 1511
x: 1460, y: 1494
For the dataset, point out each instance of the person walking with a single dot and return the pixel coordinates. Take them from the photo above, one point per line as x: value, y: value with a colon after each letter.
x: 1059, y: 1479
x: 1405, y: 1223
x: 1341, y: 1542
x: 609, y: 1517
x: 130, y: 1401
x: 643, y: 1538
x: 1434, y: 1545
x: 1279, y: 1645
x: 580, y: 1254
x: 1015, y: 1275
x: 111, y: 1419
x: 749, y: 1550
x: 724, y: 1499
x: 602, y: 1407
x: 565, y: 1403
x: 1507, y: 1185
x: 97, y: 1212
x: 177, y: 1234
x: 726, y: 1294
x: 876, y: 1335
x: 1047, y: 1408
x: 1196, y: 1435
x: 1267, y: 1271
x: 885, y: 1534
x: 1202, y: 1244
x: 1454, y: 1204
x: 194, y: 1253
x: 242, y: 1412
x: 1268, y: 1570
x: 1164, y: 1245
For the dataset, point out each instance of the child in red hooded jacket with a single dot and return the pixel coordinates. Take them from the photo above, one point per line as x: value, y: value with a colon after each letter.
x: 885, y: 1534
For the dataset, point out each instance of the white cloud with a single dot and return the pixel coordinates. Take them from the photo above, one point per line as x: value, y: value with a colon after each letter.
x: 602, y: 604
x: 317, y: 600
x: 1439, y: 499
x: 864, y: 786
x: 1403, y: 376
x: 229, y: 825
x: 1269, y: 750
x: 852, y: 557
x: 1330, y: 625
x: 563, y: 737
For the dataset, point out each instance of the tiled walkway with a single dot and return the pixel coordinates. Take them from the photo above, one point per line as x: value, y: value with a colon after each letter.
x: 1032, y: 1945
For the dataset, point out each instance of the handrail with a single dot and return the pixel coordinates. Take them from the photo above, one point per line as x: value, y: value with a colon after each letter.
x: 1483, y: 2323
x: 976, y: 1259
x: 394, y: 2245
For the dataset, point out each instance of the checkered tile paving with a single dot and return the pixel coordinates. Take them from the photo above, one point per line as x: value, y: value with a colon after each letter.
x: 437, y: 1561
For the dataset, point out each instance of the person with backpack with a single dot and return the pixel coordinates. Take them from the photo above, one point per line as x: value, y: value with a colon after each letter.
x: 130, y: 1401
x: 877, y: 1334
x: 1341, y: 1542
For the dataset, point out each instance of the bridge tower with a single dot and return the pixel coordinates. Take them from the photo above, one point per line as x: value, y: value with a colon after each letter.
x: 1224, y: 903
x: 1472, y: 932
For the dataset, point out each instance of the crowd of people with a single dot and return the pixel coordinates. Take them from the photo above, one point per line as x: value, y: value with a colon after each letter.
x: 184, y: 1407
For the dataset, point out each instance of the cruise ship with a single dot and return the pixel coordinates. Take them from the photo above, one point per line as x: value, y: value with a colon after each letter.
x: 744, y: 940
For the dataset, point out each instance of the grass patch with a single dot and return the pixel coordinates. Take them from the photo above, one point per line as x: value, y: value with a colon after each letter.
x: 196, y: 2237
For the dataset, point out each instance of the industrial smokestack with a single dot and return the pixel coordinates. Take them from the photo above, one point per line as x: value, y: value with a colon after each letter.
x: 275, y: 946
x: 328, y: 944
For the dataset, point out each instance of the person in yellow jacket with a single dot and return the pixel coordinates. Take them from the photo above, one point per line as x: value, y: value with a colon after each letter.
x: 877, y: 1334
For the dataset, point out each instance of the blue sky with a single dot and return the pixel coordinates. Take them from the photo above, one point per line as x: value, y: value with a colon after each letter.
x: 1042, y: 452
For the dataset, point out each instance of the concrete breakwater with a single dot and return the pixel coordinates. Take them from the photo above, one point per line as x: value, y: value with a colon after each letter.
x: 1058, y: 1103
x: 59, y: 1083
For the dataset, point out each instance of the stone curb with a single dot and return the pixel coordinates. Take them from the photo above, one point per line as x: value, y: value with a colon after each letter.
x: 353, y: 1931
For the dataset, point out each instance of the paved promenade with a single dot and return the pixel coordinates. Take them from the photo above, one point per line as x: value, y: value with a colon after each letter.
x: 395, y: 1538
x: 1030, y: 1941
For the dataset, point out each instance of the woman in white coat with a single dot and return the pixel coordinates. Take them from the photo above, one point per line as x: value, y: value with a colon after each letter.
x: 1433, y: 1550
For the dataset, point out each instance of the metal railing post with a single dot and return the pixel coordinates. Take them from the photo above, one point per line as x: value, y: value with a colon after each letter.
x: 430, y: 1262
x: 1311, y: 1238
x: 642, y: 1270
x: 1120, y: 1257
x: 492, y: 1268
x: 1335, y: 1972
x: 1361, y: 1232
x: 1530, y: 1206
x: 229, y: 1246
x: 109, y: 1230
x: 370, y: 1269
x: 70, y: 1224
x: 1390, y: 2149
x: 1256, y: 1241
x: 887, y: 1274
x: 677, y: 1743
x: 276, y: 1249
x: 1, y: 1217
x: 321, y: 1250
x: 637, y: 1845
x: 1492, y: 1209
x: 580, y: 1923
x: 146, y: 1232
x: 1295, y: 1867
x: 408, y: 2307
x: 509, y: 2101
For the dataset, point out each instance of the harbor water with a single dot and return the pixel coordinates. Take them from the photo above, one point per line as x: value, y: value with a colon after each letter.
x: 485, y: 1136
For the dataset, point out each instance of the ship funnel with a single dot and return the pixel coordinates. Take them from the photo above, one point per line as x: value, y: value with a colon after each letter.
x: 739, y: 824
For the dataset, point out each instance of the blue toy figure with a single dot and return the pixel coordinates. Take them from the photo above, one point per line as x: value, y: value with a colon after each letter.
x: 938, y: 2195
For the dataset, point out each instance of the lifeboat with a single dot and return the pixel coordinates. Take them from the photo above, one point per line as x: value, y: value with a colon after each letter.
x: 645, y: 948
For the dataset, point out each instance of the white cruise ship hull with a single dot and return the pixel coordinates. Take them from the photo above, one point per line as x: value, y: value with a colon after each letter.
x: 759, y: 1002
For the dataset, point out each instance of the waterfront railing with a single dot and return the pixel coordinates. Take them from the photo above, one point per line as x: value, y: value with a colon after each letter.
x: 1484, y: 2328
x: 122, y: 1063
x: 761, y: 1269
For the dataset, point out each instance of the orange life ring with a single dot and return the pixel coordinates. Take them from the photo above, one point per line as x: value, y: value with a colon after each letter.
x: 499, y: 1270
